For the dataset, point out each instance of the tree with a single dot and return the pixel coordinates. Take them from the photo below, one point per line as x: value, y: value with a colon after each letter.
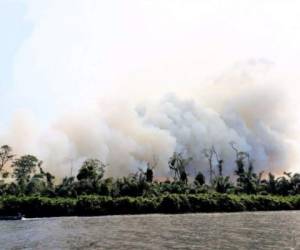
x: 222, y: 184
x: 13, y: 189
x: 283, y: 185
x: 288, y: 184
x: 91, y: 169
x: 247, y: 179
x: 89, y: 177
x: 67, y: 187
x: 47, y: 177
x: 133, y: 185
x: 200, y: 179
x: 50, y: 180
x: 295, y: 183
x: 178, y: 164
x: 271, y: 184
x: 24, y: 167
x: 150, y: 167
x: 149, y: 174
x: 36, y: 185
x: 209, y: 153
x: 183, y: 177
x: 5, y: 156
x: 220, y: 164
x: 240, y: 158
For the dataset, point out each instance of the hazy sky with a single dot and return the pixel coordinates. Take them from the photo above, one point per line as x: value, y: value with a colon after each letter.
x: 53, y: 53
x: 63, y: 55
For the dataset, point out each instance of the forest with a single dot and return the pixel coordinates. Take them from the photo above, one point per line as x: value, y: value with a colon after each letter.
x: 26, y: 187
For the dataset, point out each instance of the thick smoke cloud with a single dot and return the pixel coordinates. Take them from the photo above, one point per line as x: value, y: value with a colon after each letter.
x: 127, y: 136
x: 106, y: 79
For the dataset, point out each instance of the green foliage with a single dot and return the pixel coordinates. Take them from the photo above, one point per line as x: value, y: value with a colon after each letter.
x: 37, y: 206
x: 34, y: 193
x: 92, y: 170
x: 288, y: 184
x: 247, y: 179
x: 222, y: 184
x: 24, y: 167
x: 36, y: 185
x: 66, y: 188
x: 131, y: 186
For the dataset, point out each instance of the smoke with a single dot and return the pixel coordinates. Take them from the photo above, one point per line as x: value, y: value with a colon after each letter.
x: 109, y: 81
x: 244, y: 106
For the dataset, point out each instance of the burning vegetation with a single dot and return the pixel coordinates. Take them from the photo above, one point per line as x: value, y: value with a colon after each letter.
x: 25, y: 175
x: 26, y: 188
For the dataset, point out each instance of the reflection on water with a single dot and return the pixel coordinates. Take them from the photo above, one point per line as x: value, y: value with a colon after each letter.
x: 261, y: 230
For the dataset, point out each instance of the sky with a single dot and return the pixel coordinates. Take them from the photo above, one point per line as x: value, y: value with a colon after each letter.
x: 69, y: 57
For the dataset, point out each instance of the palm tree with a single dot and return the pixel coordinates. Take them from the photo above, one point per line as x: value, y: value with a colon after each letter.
x: 247, y: 178
x: 222, y: 184
x: 271, y: 184
x: 295, y: 183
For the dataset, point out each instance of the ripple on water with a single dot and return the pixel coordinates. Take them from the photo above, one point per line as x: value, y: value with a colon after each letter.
x: 260, y: 230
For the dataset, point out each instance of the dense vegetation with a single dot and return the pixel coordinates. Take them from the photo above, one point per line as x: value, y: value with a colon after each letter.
x: 36, y: 206
x: 27, y: 188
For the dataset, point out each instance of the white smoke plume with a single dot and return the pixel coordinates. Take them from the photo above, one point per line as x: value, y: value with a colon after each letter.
x: 244, y: 108
x: 117, y: 84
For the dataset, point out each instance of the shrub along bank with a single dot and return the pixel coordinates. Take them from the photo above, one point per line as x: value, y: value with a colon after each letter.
x: 36, y: 206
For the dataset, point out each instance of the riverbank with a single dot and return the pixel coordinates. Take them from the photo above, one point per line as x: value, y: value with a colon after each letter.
x: 36, y: 206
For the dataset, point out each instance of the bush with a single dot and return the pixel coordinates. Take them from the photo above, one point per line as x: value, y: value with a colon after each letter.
x: 37, y: 206
x: 91, y: 205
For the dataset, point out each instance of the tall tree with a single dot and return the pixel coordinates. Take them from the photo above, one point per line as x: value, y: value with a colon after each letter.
x: 247, y: 179
x: 67, y: 187
x: 178, y: 164
x: 5, y: 156
x: 24, y: 167
x: 209, y: 154
x: 92, y: 170
x: 212, y: 156
x: 150, y: 168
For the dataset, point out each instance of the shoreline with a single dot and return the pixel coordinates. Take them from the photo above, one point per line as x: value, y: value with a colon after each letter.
x: 92, y: 205
x: 157, y: 214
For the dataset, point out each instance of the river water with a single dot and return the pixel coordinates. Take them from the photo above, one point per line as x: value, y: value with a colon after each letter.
x: 259, y: 230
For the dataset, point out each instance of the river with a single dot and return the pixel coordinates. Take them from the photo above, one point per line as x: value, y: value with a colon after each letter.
x: 259, y: 230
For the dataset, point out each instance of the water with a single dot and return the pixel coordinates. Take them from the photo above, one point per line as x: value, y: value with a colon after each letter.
x: 261, y: 230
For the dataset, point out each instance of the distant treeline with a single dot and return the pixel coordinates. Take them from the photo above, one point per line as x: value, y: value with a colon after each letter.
x: 25, y: 176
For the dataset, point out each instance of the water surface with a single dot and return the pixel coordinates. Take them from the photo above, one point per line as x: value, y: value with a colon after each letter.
x: 260, y: 230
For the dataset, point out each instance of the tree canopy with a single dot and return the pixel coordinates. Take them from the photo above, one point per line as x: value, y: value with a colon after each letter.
x: 30, y: 177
